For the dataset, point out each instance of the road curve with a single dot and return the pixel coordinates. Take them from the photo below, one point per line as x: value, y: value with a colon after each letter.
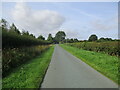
x: 67, y: 71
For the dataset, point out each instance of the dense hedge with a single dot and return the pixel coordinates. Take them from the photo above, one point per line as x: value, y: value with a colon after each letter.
x: 12, y: 58
x: 18, y: 47
x: 10, y: 39
x: 109, y: 47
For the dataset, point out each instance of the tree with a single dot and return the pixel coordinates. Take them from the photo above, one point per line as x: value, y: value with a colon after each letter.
x: 41, y: 37
x: 71, y: 40
x: 59, y: 37
x: 102, y: 39
x: 4, y: 24
x: 67, y: 40
x: 32, y: 35
x: 76, y: 40
x: 93, y: 37
x: 25, y: 33
x: 50, y: 38
x: 105, y: 39
x: 108, y: 39
x: 14, y: 29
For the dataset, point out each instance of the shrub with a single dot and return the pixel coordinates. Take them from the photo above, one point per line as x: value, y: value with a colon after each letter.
x: 13, y: 40
x: 17, y: 56
x: 109, y: 47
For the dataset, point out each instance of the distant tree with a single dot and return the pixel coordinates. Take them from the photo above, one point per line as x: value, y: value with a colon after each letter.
x: 60, y: 36
x: 41, y: 37
x: 25, y: 33
x: 14, y: 29
x: 76, y: 40
x: 85, y: 40
x: 102, y: 39
x: 64, y: 41
x: 71, y: 40
x: 32, y: 35
x: 105, y: 39
x: 67, y: 40
x: 12, y: 40
x: 108, y: 39
x: 50, y: 38
x: 4, y: 24
x: 116, y: 40
x: 93, y: 38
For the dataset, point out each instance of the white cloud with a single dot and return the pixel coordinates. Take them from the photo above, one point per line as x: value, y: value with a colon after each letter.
x: 72, y: 33
x: 36, y: 22
x: 105, y: 25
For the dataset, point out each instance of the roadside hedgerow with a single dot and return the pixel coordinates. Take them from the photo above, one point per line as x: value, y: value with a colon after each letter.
x: 17, y: 56
x: 109, y: 47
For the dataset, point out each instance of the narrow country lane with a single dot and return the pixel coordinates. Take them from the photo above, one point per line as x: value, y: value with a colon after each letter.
x: 67, y: 71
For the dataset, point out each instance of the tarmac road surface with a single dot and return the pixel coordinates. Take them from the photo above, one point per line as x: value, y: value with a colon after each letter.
x: 67, y: 71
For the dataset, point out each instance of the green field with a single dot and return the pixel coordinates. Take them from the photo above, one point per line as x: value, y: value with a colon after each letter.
x: 104, y: 63
x: 29, y: 75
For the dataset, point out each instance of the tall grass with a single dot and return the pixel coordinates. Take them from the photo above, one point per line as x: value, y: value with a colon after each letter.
x: 30, y: 74
x: 17, y: 47
x: 14, y: 57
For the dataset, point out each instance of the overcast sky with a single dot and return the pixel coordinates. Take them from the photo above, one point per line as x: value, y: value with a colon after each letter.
x: 78, y: 19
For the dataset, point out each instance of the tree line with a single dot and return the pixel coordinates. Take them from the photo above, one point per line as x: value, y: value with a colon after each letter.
x: 12, y: 37
x: 94, y: 37
x: 60, y: 38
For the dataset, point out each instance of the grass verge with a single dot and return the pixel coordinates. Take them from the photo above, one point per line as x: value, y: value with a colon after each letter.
x: 29, y: 75
x: 104, y: 63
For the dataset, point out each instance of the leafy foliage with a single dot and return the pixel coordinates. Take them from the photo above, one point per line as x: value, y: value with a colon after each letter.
x: 17, y: 56
x: 71, y: 40
x: 93, y: 38
x: 29, y: 74
x: 15, y: 46
x: 41, y: 37
x: 12, y: 38
x: 50, y: 38
x: 109, y: 47
x: 104, y: 39
x: 13, y: 29
x: 59, y: 37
